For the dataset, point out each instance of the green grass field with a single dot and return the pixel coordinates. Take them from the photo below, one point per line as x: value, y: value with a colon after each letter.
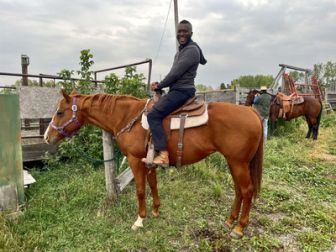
x: 67, y: 210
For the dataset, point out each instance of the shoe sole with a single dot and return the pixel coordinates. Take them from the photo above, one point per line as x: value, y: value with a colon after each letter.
x: 162, y: 165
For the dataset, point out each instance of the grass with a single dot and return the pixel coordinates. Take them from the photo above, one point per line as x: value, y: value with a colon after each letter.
x: 66, y: 210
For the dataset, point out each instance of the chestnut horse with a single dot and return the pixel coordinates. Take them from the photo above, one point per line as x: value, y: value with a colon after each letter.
x: 311, y: 109
x: 233, y: 130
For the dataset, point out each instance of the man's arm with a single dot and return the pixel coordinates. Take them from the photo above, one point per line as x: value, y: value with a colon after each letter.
x: 256, y: 99
x: 190, y: 56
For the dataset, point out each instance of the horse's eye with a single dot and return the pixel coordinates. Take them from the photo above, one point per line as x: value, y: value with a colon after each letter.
x: 59, y: 113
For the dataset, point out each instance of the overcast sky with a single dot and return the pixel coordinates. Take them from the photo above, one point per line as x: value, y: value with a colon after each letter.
x: 238, y: 37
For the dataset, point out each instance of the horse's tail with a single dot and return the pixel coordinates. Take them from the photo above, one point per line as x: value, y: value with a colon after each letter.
x: 319, y: 118
x: 256, y: 164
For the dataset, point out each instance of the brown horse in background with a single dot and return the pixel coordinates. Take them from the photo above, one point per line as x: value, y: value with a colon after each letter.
x: 234, y: 131
x: 250, y: 97
x: 311, y: 109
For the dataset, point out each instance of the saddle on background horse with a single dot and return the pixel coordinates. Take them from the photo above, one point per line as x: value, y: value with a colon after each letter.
x: 288, y: 102
x: 192, y: 114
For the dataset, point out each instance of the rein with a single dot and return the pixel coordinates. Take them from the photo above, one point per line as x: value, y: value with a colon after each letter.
x: 60, y: 129
x: 129, y: 126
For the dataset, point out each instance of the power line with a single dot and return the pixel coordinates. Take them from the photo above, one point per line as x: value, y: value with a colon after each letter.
x: 164, y: 29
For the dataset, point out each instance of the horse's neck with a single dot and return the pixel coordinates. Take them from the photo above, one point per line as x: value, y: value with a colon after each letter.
x: 109, y: 112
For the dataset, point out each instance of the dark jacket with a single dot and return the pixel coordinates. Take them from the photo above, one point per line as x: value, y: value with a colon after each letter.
x: 183, y: 72
x: 262, y: 104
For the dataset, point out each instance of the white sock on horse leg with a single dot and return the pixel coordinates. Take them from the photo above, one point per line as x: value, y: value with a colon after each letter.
x: 138, y: 223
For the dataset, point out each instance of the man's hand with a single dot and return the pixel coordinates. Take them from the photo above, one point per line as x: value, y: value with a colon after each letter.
x: 154, y: 86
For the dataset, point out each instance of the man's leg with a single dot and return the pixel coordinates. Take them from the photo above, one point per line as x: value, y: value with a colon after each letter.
x: 167, y: 104
x: 265, y: 124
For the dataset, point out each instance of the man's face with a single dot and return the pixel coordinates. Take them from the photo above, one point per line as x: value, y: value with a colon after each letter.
x: 183, y: 33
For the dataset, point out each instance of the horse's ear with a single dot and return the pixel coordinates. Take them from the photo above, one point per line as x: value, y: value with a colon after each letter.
x: 65, y: 95
x: 74, y: 92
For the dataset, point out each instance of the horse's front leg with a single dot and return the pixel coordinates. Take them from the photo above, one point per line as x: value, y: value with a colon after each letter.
x: 151, y: 178
x: 139, y: 172
x: 273, y: 125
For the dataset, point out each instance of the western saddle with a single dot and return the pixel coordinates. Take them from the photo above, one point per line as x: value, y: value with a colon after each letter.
x: 288, y: 102
x: 192, y: 107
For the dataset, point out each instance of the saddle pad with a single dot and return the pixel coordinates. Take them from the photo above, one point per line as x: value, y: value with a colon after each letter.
x: 190, y: 122
x: 299, y: 100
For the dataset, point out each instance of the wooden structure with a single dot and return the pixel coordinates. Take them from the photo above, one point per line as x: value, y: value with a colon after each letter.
x: 11, y: 172
x: 226, y: 95
x: 330, y: 98
x: 37, y: 104
x: 284, y: 83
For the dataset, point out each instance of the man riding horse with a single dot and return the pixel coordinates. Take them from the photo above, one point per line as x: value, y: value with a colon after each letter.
x: 180, y: 81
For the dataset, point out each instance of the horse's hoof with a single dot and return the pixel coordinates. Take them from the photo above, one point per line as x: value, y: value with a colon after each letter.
x: 236, y: 235
x: 138, y: 224
x: 155, y: 213
x: 135, y: 227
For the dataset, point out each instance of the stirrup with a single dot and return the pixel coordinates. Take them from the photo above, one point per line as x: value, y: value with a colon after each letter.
x: 148, y: 160
x: 149, y: 164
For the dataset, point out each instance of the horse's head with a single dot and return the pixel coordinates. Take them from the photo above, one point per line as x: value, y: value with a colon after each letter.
x: 65, y: 122
x: 276, y: 104
x: 250, y: 97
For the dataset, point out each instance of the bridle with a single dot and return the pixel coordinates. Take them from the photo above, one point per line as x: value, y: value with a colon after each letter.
x: 60, y: 129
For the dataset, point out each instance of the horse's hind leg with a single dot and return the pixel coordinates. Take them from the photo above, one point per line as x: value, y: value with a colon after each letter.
x: 315, y: 127
x: 235, y: 209
x: 151, y: 178
x: 310, y: 127
x: 241, y: 175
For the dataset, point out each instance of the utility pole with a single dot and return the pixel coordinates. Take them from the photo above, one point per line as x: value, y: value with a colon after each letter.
x: 176, y: 22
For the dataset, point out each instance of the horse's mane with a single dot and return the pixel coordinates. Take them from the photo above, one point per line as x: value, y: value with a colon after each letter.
x: 107, y: 101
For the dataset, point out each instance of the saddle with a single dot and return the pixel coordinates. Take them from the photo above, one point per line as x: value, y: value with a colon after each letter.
x: 192, y: 113
x: 288, y: 102
x: 191, y: 107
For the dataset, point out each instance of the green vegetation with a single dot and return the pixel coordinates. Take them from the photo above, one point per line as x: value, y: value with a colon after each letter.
x: 66, y: 209
x: 251, y: 81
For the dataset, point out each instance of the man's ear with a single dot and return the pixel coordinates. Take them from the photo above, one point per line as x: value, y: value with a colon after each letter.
x: 65, y: 95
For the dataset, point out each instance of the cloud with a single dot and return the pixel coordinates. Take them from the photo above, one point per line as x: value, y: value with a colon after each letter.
x: 237, y: 37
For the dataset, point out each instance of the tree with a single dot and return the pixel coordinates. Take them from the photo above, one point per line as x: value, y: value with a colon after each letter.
x: 203, y: 88
x: 325, y: 73
x: 297, y: 76
x: 250, y: 81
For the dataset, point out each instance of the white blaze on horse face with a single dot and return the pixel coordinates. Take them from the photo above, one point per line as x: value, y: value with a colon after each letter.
x: 138, y: 224
x: 46, y: 133
x: 45, y: 136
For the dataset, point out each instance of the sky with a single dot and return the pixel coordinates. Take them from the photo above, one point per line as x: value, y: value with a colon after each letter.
x: 238, y: 37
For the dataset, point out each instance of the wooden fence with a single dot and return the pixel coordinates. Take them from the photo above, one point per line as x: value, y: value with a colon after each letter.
x: 330, y: 97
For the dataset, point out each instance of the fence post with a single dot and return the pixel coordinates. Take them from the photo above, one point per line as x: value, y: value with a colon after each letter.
x: 237, y: 94
x: 109, y: 166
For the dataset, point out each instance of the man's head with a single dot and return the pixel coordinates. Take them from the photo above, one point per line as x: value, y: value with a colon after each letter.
x: 263, y: 88
x: 184, y: 32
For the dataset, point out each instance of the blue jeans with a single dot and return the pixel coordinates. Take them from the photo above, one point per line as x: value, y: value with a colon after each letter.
x: 265, y: 125
x: 166, y: 104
